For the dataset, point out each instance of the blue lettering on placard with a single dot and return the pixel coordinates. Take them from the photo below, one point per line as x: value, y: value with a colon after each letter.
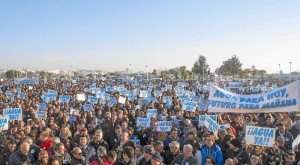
x: 221, y: 104
x: 278, y: 103
x: 220, y: 94
x: 252, y: 100
x: 277, y: 94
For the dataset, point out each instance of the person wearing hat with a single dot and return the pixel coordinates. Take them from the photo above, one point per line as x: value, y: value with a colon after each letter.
x: 236, y: 152
x: 288, y: 137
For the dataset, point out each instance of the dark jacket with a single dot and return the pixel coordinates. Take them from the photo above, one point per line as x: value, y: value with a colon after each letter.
x: 18, y: 159
x: 288, y: 137
x: 169, y: 157
x: 76, y: 161
x: 4, y: 155
x: 144, y: 162
x: 179, y: 160
x: 88, y: 152
x: 241, y: 155
x: 131, y: 162
x: 295, y: 132
x: 96, y: 144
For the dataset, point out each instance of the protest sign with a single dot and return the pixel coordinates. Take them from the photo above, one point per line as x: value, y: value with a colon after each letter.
x: 21, y: 95
x: 81, y: 97
x: 4, y: 123
x: 143, y: 122
x: 296, y: 143
x: 210, y: 124
x: 235, y: 84
x: 262, y: 136
x: 13, y: 113
x: 72, y: 119
x: 163, y: 126
x: 202, y: 104
x: 284, y: 99
x: 143, y: 93
x: 92, y: 99
x: 122, y: 100
x: 64, y: 98
x: 87, y: 107
x: 144, y: 101
x: 202, y: 119
x: 151, y: 113
x: 189, y: 106
x: 40, y: 114
x: 112, y: 101
x: 42, y: 106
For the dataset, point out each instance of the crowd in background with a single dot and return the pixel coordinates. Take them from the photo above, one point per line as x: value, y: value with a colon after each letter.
x: 108, y: 134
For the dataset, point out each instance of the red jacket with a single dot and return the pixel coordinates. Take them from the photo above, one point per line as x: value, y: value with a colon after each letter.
x: 105, y: 161
x: 46, y: 144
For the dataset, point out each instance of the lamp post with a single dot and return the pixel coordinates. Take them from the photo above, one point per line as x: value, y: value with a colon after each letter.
x: 147, y: 72
x: 203, y: 65
x: 279, y: 71
x: 290, y: 71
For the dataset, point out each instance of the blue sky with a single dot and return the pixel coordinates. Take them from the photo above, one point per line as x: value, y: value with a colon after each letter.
x: 110, y: 35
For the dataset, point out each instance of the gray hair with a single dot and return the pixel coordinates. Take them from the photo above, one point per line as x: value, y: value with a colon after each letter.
x: 101, y: 151
x: 187, y: 146
x: 56, y: 139
x: 174, y: 144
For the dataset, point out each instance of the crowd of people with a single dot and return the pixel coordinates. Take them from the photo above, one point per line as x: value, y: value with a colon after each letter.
x: 109, y: 135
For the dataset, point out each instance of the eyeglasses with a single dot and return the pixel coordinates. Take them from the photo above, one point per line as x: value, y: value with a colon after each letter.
x: 255, y: 158
x: 80, y: 153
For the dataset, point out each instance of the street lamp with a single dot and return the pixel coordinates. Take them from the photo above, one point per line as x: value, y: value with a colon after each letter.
x: 279, y: 71
x: 290, y: 71
x: 203, y: 64
x: 147, y: 72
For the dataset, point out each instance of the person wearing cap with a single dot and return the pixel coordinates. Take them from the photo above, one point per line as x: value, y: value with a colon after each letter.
x: 288, y: 137
x: 236, y: 152
x: 186, y: 157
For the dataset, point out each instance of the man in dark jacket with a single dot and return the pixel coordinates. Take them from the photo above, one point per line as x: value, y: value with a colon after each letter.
x: 236, y: 152
x: 5, y: 154
x: 295, y: 131
x: 128, y: 156
x: 186, y: 157
x: 21, y: 156
x: 99, y: 141
x: 288, y: 137
x: 87, y: 151
x: 77, y: 159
